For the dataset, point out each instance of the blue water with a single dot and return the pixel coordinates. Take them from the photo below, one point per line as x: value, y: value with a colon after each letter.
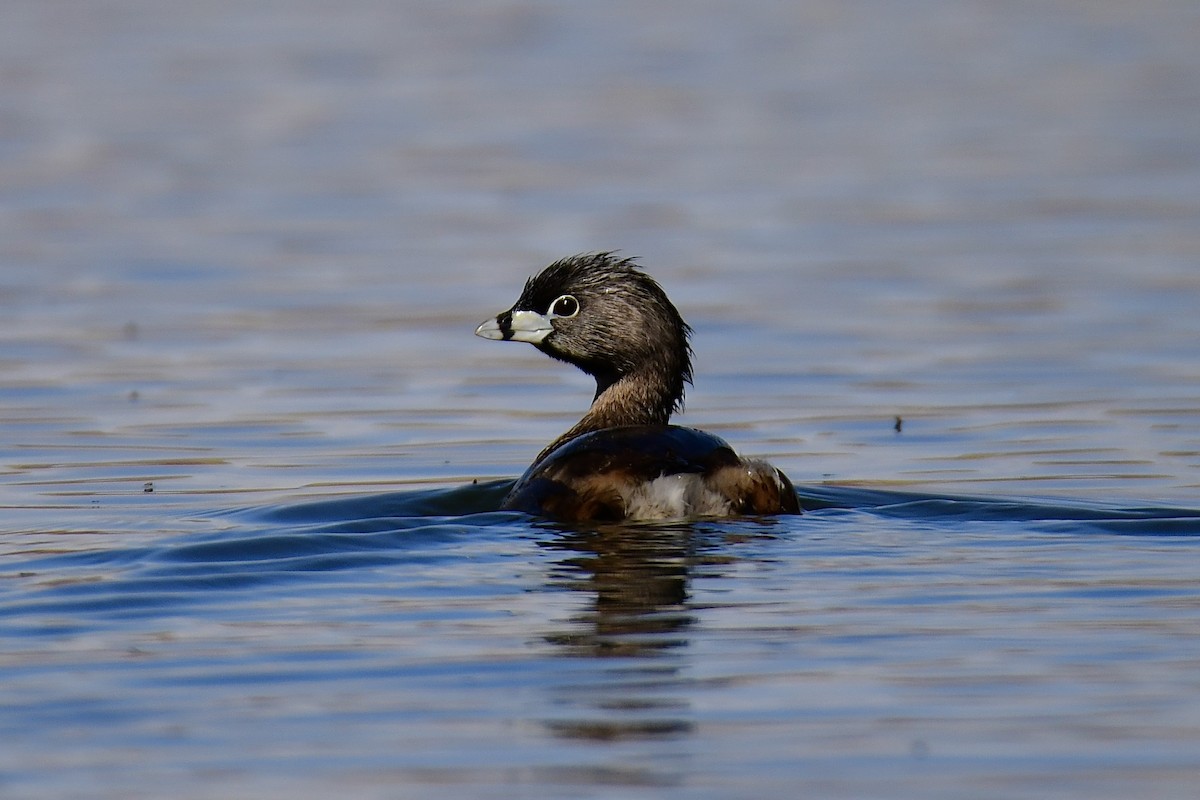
x: 411, y: 644
x: 251, y: 452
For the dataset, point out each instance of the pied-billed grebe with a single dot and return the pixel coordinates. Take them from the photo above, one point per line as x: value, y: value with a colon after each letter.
x: 623, y: 461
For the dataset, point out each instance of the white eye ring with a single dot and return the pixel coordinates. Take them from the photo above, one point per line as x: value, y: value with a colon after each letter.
x: 564, y: 306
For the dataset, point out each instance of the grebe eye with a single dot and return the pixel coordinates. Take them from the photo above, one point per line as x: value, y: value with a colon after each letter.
x: 565, y: 306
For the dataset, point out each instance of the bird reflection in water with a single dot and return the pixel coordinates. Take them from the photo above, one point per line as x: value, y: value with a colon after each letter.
x: 637, y: 578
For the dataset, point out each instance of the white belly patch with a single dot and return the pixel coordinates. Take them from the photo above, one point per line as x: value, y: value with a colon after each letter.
x: 674, y: 497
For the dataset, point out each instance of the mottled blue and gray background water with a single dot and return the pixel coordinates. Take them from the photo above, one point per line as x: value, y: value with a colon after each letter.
x: 243, y: 247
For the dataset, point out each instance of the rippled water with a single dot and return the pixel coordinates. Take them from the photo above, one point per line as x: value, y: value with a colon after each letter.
x: 251, y: 452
